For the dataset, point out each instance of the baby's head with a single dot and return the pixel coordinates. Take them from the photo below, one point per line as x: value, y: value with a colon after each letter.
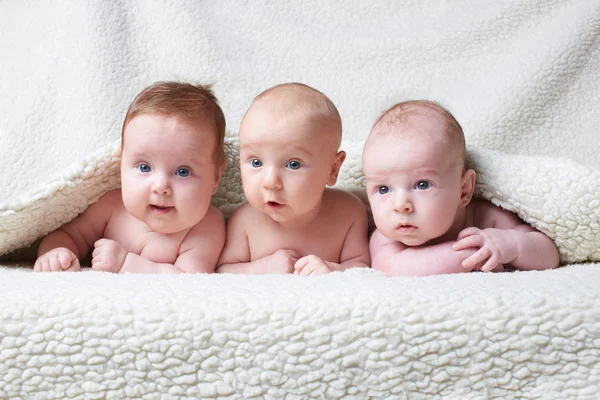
x: 414, y: 163
x: 289, y: 141
x: 172, y: 155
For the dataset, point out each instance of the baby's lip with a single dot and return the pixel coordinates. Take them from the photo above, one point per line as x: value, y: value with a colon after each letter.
x: 274, y: 204
x: 406, y: 227
x: 160, y: 209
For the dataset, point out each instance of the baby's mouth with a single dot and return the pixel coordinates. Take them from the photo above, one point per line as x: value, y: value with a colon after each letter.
x: 274, y: 204
x: 160, y: 209
x: 406, y: 228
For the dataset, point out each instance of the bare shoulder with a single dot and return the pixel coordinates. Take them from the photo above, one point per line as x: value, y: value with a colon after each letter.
x: 210, y: 228
x: 242, y: 214
x: 343, y: 201
x: 112, y: 199
x: 488, y: 215
x: 213, y: 217
x: 378, y: 242
x: 378, y: 238
x: 108, y: 206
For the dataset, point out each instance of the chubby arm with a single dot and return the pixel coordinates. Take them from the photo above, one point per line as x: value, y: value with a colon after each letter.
x: 62, y: 249
x: 396, y: 259
x: 355, y: 251
x: 80, y: 234
x: 235, y: 258
x: 507, y: 240
x: 199, y: 250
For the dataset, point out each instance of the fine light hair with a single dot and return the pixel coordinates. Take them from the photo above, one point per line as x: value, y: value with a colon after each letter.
x: 297, y: 98
x: 192, y: 102
x: 394, y: 117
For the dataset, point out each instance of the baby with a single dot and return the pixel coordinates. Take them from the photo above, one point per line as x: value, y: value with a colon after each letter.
x: 161, y: 220
x: 420, y: 193
x: 289, y: 140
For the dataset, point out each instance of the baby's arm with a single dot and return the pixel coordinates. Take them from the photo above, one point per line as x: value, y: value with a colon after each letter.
x: 235, y: 258
x: 355, y: 251
x: 62, y: 249
x: 396, y: 259
x: 355, y: 248
x: 199, y: 250
x: 507, y: 241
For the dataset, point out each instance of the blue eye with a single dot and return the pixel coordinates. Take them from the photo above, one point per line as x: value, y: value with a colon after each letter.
x: 256, y: 163
x: 423, y: 185
x: 183, y: 172
x: 294, y: 164
x: 144, y: 168
x: 383, y: 190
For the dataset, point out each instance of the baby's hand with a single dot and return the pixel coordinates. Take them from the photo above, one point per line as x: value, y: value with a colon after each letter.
x: 496, y: 247
x: 59, y: 259
x: 108, y: 256
x: 312, y: 265
x: 281, y: 262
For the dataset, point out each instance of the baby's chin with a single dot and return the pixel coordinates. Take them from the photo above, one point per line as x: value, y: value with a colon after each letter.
x: 166, y: 226
x: 407, y: 240
x: 413, y: 242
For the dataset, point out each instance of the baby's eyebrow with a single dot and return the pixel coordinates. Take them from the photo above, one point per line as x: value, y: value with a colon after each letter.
x: 302, y: 150
x: 426, y: 171
x: 377, y: 178
x: 138, y: 154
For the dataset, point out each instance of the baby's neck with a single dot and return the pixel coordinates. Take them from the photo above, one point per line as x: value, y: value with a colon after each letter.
x: 463, y: 219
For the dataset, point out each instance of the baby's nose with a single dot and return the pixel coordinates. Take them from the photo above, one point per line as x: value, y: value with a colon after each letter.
x: 272, y: 180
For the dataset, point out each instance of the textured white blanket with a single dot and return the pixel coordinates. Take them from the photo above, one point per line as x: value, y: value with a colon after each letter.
x: 356, y: 334
x: 520, y: 75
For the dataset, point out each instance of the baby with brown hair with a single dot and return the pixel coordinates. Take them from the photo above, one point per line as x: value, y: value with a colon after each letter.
x: 161, y: 220
x: 420, y: 193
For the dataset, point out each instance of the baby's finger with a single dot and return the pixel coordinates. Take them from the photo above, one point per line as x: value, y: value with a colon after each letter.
x: 499, y: 268
x: 490, y: 264
x: 477, y: 258
x: 301, y: 263
x: 306, y: 270
x: 75, y: 266
x: 45, y: 265
x: 55, y: 263
x: 99, y: 243
x: 468, y: 232
x: 37, y: 267
x: 97, y: 251
x: 468, y: 241
x: 65, y: 259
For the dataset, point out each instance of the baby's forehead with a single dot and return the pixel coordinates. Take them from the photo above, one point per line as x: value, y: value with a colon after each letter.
x: 419, y: 122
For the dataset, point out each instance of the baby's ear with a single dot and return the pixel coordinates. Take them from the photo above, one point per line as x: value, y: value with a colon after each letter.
x: 219, y: 173
x: 335, y: 167
x: 467, y: 187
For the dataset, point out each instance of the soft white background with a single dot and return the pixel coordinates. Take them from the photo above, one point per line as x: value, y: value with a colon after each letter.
x: 521, y: 76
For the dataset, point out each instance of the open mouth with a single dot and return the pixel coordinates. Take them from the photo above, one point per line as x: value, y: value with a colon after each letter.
x: 275, y: 205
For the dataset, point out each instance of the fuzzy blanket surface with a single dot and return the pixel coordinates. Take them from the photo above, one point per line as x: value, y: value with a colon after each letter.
x: 520, y: 75
x: 356, y: 335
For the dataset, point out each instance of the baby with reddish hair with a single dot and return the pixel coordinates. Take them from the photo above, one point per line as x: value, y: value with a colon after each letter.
x: 161, y: 220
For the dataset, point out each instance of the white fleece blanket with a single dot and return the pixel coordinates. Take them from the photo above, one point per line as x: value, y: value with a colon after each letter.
x: 522, y: 78
x: 356, y: 334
